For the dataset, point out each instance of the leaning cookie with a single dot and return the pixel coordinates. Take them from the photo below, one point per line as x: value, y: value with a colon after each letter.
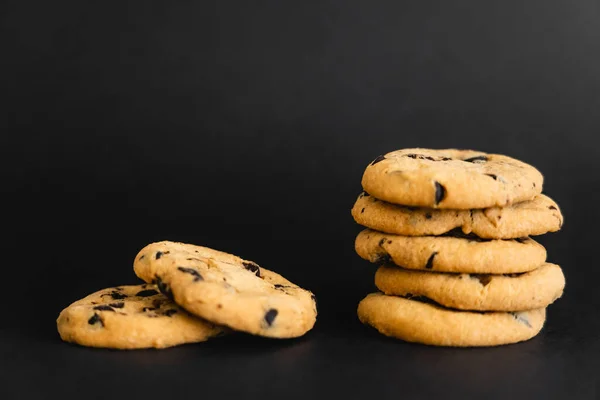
x: 528, y: 218
x: 228, y: 290
x: 456, y: 179
x: 451, y: 252
x: 131, y: 317
x: 415, y: 321
x: 479, y: 292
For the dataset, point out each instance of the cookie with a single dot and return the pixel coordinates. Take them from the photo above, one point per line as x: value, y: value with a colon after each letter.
x: 131, y: 317
x: 480, y: 292
x: 528, y: 218
x: 416, y: 321
x: 451, y: 252
x: 456, y: 179
x: 228, y: 290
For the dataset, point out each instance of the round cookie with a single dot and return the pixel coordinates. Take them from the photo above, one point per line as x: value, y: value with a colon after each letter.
x: 131, y: 317
x: 228, y: 290
x: 457, y: 179
x: 528, y: 218
x: 452, y: 252
x: 516, y: 292
x: 415, y: 321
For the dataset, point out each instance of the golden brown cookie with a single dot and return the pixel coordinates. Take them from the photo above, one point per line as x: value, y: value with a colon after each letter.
x: 456, y: 179
x: 228, y: 290
x: 415, y: 321
x: 480, y: 292
x: 528, y: 218
x: 452, y: 252
x: 131, y: 317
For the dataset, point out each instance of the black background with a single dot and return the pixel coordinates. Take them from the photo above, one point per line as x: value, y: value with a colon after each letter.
x: 245, y: 126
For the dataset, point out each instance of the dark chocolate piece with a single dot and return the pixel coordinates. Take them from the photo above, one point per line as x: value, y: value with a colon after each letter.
x: 440, y: 193
x: 95, y: 319
x: 270, y: 316
x: 193, y: 272
x: 146, y: 293
x: 104, y: 308
x: 484, y: 279
x: 429, y: 264
x: 478, y: 158
x: 252, y: 267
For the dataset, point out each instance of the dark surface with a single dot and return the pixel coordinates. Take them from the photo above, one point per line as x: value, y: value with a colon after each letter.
x: 246, y: 126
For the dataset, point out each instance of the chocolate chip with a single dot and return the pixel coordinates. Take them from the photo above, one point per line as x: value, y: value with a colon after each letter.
x: 146, y: 293
x: 429, y: 264
x: 382, y: 258
x: 164, y: 288
x: 422, y: 157
x: 362, y: 211
x: 459, y: 234
x: 484, y: 279
x: 169, y: 313
x: 492, y: 176
x: 193, y: 272
x: 519, y: 317
x: 142, y: 256
x: 278, y: 286
x: 104, y: 308
x: 389, y: 242
x: 115, y: 295
x: 552, y: 208
x: 428, y: 215
x: 252, y: 267
x: 533, y: 184
x: 378, y: 159
x: 478, y: 158
x: 440, y: 193
x: 365, y: 194
x: 95, y: 319
x: 193, y: 259
x: 270, y: 316
x: 381, y: 242
x: 446, y: 158
x: 158, y: 255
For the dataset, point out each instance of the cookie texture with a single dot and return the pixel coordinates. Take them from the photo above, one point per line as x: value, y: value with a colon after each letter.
x: 131, y: 317
x: 480, y: 292
x: 453, y: 252
x: 528, y: 218
x: 451, y: 178
x: 228, y: 290
x: 416, y: 321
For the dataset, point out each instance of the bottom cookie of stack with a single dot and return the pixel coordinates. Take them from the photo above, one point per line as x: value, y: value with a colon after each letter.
x: 414, y: 320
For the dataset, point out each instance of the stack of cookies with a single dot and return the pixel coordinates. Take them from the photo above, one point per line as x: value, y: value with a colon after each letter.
x: 451, y: 231
x: 191, y: 294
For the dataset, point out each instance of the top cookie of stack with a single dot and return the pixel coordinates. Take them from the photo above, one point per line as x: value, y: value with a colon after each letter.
x: 444, y: 217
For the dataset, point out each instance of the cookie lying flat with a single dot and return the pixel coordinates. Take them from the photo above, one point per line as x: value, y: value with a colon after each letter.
x: 228, y: 290
x: 516, y: 292
x: 457, y: 179
x: 415, y: 321
x: 131, y: 317
x: 452, y: 252
x: 536, y: 217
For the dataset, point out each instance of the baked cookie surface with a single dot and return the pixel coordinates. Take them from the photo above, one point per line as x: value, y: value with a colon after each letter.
x: 131, y: 317
x: 450, y: 178
x: 415, y: 321
x: 452, y: 252
x: 529, y: 218
x: 480, y: 292
x: 227, y: 290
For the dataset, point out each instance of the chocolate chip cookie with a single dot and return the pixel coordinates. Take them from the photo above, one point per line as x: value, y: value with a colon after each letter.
x: 228, y: 290
x: 528, y: 218
x: 455, y: 179
x: 480, y: 292
x: 131, y: 317
x: 451, y: 252
x: 413, y: 320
